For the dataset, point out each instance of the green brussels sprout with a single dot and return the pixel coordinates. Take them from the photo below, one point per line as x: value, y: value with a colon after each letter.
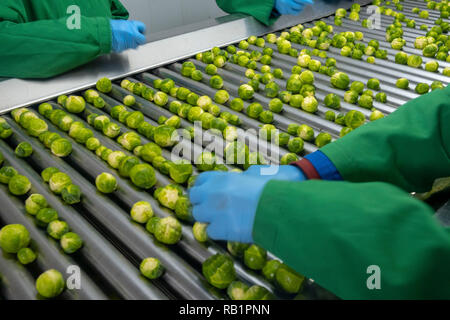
x: 236, y: 152
x: 310, y: 104
x: 141, y: 212
x: 276, y: 105
x: 295, y: 145
x: 211, y: 69
x: 322, y: 139
x: 57, y: 228
x: 365, y: 101
x: 90, y: 95
x: 187, y: 68
x: 446, y: 71
x: 23, y: 150
x: 351, y: 96
x: 346, y: 51
x: 129, y: 100
x: 375, y: 115
x: 83, y: 135
x: 58, y: 181
x: 205, y: 161
x: 166, y: 85
x: 430, y: 50
x: 270, y: 269
x: 381, y: 97
x: 168, y: 196
x: 370, y: 60
x: 151, y: 268
x: 402, y: 83
x: 330, y: 116
x: 92, y: 144
x: 216, y: 82
x: 254, y: 110
x: 151, y: 224
x: 34, y: 203
x: 288, y: 158
x: 180, y: 171
x: 19, y: 185
x: 71, y: 194
x: 117, y: 110
x: 45, y: 216
x: 126, y: 164
x: 398, y: 43
x: 230, y: 133
x: 422, y: 88
x: 267, y: 131
x: 357, y: 86
x: 414, y: 61
x: 340, y: 80
x: 296, y: 101
x: 373, y: 84
x: 183, y: 209
x: 75, y: 104
x: 288, y: 280
x: 282, y: 139
x: 256, y: 292
x: 143, y: 176
x: 99, y: 103
x: 354, y: 119
x: 45, y: 109
x: 401, y: 58
x: 114, y: 158
x: 5, y: 129
x: 26, y: 256
x: 246, y: 92
x: 237, y: 104
x: 292, y: 129
x: 255, y: 257
x: 14, y: 237
x: 204, y: 102
x: 105, y: 154
x: 221, y: 96
x: 165, y: 136
x: 305, y: 132
x: 236, y: 290
x: 71, y: 242
x: 199, y: 231
x: 344, y: 131
x: 104, y: 85
x: 271, y: 90
x: 106, y: 183
x: 61, y: 147
x: 237, y: 249
x: 436, y: 85
x: 432, y: 66
x: 332, y: 101
x: 219, y: 270
x: 168, y: 230
x: 65, y: 122
x: 36, y: 126
x: 50, y: 284
x: 266, y: 116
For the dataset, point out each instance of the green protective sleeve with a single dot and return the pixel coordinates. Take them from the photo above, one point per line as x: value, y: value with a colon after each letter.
x: 409, y: 148
x: 36, y: 42
x: 260, y: 9
x: 335, y: 232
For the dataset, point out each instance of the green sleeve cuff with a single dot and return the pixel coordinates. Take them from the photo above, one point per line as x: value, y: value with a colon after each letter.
x: 104, y: 34
x: 262, y: 10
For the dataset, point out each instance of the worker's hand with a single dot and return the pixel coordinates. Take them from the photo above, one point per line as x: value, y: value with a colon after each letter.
x: 228, y: 200
x: 293, y: 7
x: 127, y: 34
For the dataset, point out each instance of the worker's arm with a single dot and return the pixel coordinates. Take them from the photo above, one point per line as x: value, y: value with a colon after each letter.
x: 410, y: 148
x: 44, y: 48
x: 332, y: 231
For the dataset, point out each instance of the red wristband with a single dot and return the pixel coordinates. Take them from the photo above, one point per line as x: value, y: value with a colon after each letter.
x: 308, y: 169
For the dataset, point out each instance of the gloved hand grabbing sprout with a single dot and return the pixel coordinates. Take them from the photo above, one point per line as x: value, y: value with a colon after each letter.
x: 292, y: 7
x: 127, y: 34
x: 228, y: 200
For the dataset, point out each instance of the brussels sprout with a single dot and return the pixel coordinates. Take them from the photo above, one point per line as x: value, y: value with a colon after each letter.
x: 288, y: 158
x: 90, y: 95
x: 36, y: 126
x: 14, y: 237
x: 402, y: 83
x: 236, y: 290
x: 381, y: 97
x: 168, y: 230
x: 106, y: 183
x: 288, y: 280
x: 114, y: 158
x: 310, y: 104
x: 168, y: 196
x: 365, y: 101
x: 276, y: 105
x: 351, y: 96
x: 422, y: 88
x: 19, y: 185
x: 332, y: 101
x: 187, y: 68
x: 216, y: 82
x: 430, y: 50
x: 246, y: 92
x: 180, y: 171
x: 330, y: 116
x: 199, y: 231
x: 346, y: 51
x: 436, y: 85
x: 323, y: 139
x: 340, y: 80
x: 115, y: 111
x: 375, y: 115
x: 92, y: 144
x: 141, y: 212
x: 26, y: 256
x: 357, y: 86
x: 219, y: 270
x: 23, y: 150
x: 71, y: 194
x: 183, y: 209
x: 47, y: 173
x: 151, y: 268
x: 34, y: 203
x: 45, y: 216
x: 282, y: 139
x: 45, y: 109
x: 126, y: 164
x: 71, y: 242
x: 61, y: 147
x: 5, y: 129
x: 373, y: 84
x: 398, y: 43
x: 58, y: 181
x: 295, y: 145
x: 432, y: 66
x: 50, y: 283
x: 105, y: 154
x: 414, y: 61
x: 292, y: 129
x: 266, y: 116
x: 237, y: 249
x: 165, y: 136
x: 129, y: 100
x: 255, y: 257
x: 104, y: 85
x: 256, y: 292
x: 205, y: 161
x: 254, y: 110
x: 270, y: 269
x: 354, y: 119
x: 271, y: 90
x: 143, y: 176
x: 75, y: 104
x: 345, y: 131
x: 446, y: 71
x: 236, y: 152
x: 57, y: 228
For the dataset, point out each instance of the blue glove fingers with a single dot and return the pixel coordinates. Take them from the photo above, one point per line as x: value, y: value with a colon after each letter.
x: 196, y: 195
x: 217, y: 231
x: 203, y: 213
x: 140, y: 26
x: 206, y: 176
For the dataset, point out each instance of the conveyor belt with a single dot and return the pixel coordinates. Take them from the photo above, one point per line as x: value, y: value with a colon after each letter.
x: 114, y: 245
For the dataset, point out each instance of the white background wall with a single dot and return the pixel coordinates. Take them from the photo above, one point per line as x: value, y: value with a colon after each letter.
x: 161, y: 15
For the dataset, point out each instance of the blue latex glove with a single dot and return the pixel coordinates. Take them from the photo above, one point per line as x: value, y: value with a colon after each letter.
x: 127, y: 34
x: 228, y: 200
x: 293, y: 7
